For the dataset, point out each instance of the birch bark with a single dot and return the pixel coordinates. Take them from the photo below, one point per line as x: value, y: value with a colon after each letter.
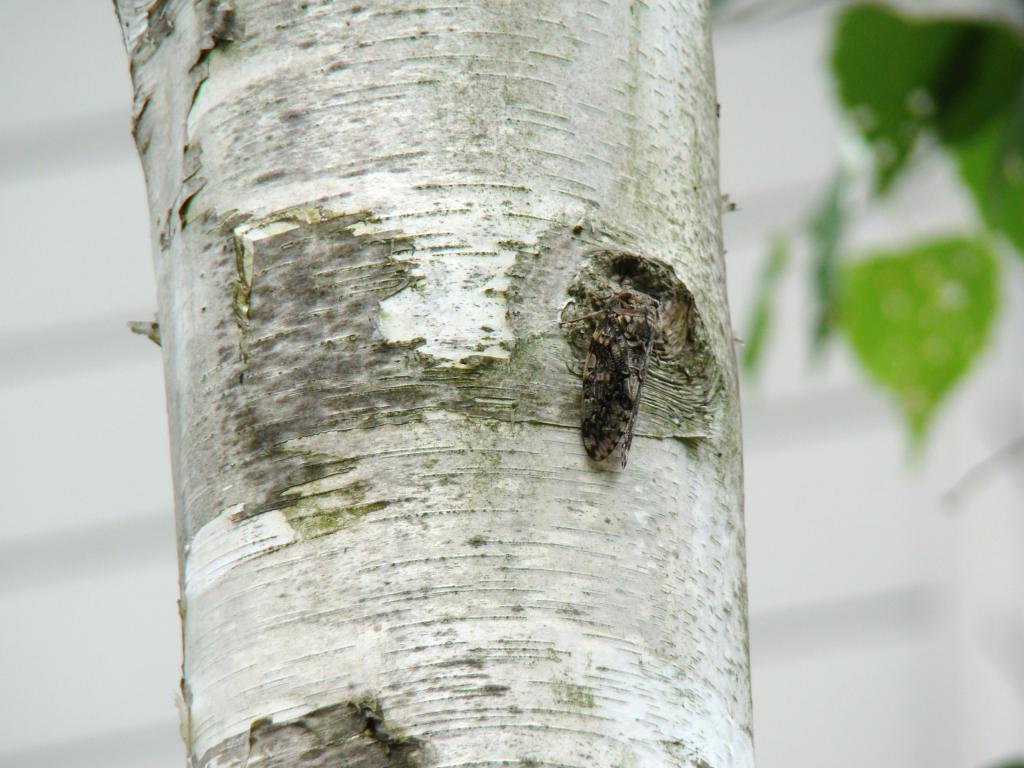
x: 369, y: 219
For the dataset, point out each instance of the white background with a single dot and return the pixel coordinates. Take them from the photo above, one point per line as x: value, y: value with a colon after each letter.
x: 887, y: 624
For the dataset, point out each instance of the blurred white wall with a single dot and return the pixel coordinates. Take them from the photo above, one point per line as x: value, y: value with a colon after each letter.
x: 887, y: 627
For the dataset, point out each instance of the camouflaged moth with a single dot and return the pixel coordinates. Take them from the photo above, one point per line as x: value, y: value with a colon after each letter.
x: 625, y: 328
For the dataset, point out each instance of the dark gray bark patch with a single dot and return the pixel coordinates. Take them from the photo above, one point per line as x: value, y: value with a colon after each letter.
x: 353, y: 734
x: 219, y: 25
x: 310, y: 356
x: 158, y: 24
x: 307, y: 357
x: 470, y: 662
x: 493, y: 689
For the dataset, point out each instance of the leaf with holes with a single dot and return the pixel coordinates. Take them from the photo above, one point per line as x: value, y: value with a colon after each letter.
x: 918, y: 318
x: 950, y: 76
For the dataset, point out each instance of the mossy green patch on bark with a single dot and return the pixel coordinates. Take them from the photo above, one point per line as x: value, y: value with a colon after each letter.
x: 326, y: 512
x: 573, y: 695
x: 679, y: 751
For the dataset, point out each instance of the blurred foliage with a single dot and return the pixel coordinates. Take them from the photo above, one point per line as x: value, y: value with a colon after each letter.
x: 991, y: 164
x: 960, y: 80
x: 917, y: 317
x: 898, y: 77
x: 764, y: 304
x: 825, y: 229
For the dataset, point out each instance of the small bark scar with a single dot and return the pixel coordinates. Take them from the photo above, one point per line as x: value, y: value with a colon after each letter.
x: 353, y: 734
x: 148, y: 328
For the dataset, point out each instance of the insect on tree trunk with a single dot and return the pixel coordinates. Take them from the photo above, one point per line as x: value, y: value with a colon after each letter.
x: 374, y: 225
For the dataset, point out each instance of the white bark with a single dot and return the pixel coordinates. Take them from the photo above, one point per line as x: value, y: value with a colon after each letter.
x: 368, y: 220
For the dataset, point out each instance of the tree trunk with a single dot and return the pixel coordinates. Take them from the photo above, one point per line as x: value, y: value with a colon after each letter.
x: 373, y: 223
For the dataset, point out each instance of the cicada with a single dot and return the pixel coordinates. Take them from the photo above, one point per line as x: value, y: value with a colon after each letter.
x: 625, y: 329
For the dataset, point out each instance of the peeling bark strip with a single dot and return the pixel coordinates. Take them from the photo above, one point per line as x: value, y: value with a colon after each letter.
x: 150, y: 329
x: 370, y: 220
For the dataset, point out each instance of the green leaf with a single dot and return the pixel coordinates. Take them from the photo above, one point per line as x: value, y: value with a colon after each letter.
x: 825, y: 228
x: 991, y: 164
x: 764, y: 305
x: 898, y: 76
x: 918, y: 318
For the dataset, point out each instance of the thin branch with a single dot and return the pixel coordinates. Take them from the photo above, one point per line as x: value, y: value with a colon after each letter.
x: 976, y: 474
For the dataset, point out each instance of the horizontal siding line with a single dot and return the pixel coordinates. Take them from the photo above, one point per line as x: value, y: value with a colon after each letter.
x: 801, y: 631
x: 54, y: 147
x: 836, y: 410
x: 68, y: 555
x: 155, y: 745
x: 88, y: 345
